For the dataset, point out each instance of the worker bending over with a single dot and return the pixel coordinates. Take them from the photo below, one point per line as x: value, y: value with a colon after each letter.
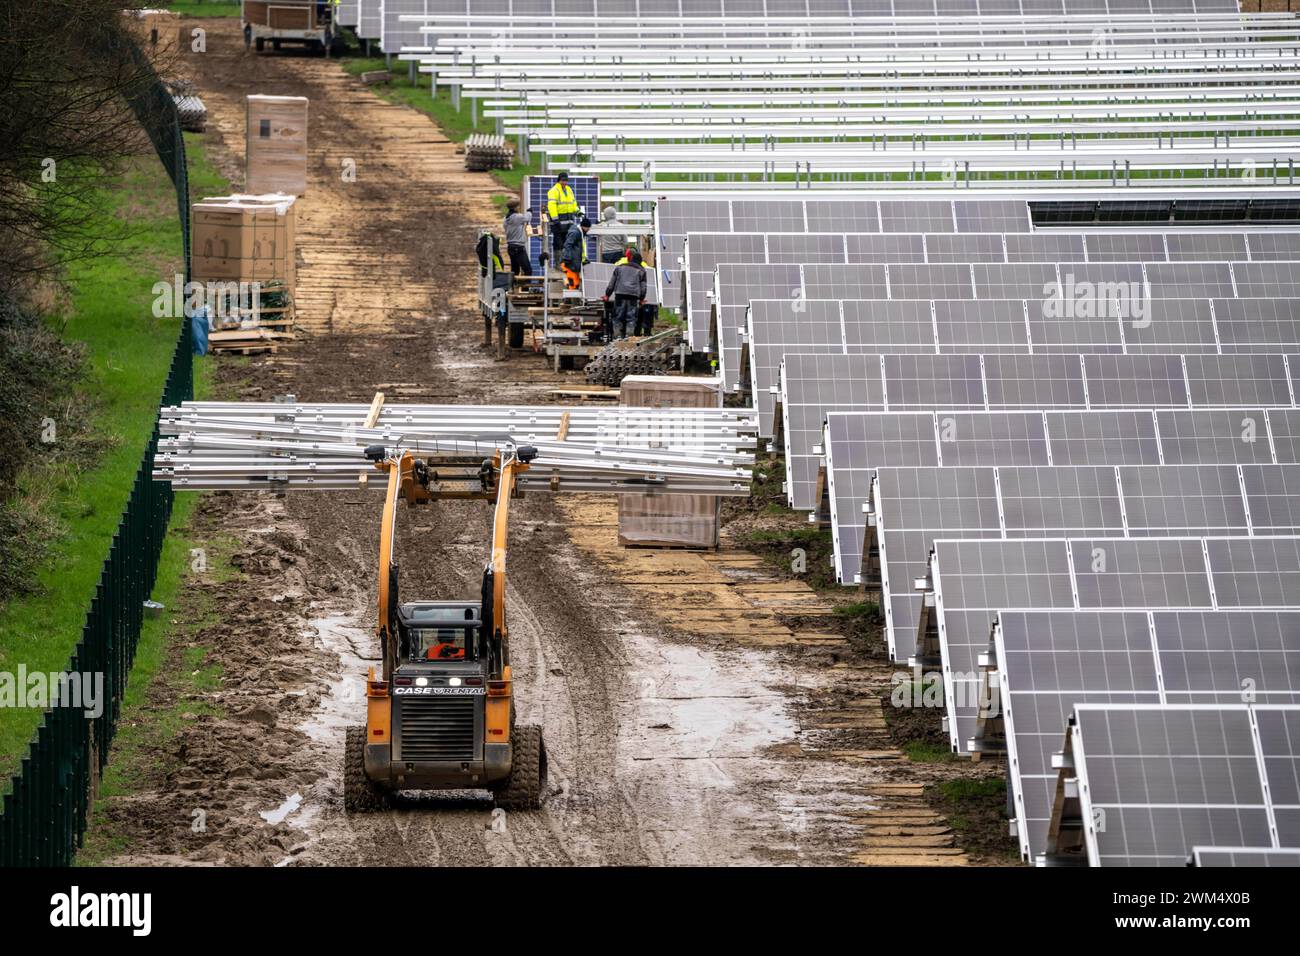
x: 627, y: 287
x: 491, y: 265
x: 575, y: 253
x: 561, y: 210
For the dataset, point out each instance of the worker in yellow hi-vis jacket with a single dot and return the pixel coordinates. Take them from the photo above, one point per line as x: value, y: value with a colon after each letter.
x: 561, y: 210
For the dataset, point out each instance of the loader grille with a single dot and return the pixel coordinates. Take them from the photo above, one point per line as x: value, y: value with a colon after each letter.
x: 433, y: 728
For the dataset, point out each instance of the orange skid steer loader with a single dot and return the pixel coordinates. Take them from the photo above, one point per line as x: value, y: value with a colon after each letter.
x: 440, y: 715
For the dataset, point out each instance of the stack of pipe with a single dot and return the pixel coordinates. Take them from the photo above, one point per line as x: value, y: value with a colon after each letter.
x: 274, y: 446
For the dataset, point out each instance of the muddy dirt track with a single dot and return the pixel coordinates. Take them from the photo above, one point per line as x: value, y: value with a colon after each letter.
x: 736, y: 741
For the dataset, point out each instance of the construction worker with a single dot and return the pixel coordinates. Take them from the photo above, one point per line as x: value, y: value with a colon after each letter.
x: 561, y: 210
x: 516, y: 224
x: 575, y: 253
x: 445, y: 651
x: 491, y: 265
x: 611, y: 246
x: 646, y: 313
x: 627, y: 288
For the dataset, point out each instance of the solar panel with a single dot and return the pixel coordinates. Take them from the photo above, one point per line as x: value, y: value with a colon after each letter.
x: 1000, y: 215
x: 1105, y: 437
x: 1135, y: 435
x: 1136, y: 381
x: 885, y: 249
x: 704, y: 252
x: 1016, y: 280
x: 1071, y: 501
x: 1034, y: 381
x: 1244, y: 856
x: 586, y: 192
x: 1206, y: 246
x: 878, y: 325
x: 974, y: 247
x: 919, y: 382
x: 1238, y: 380
x: 1069, y: 306
x: 1250, y: 325
x: 734, y: 285
x: 1154, y: 781
x: 596, y: 275
x: 1047, y: 662
x: 973, y: 579
x: 1125, y: 247
x: 1280, y: 244
x: 786, y: 326
x: 970, y: 326
x: 676, y: 218
x: 1239, y: 436
x: 812, y: 386
x: 1045, y: 247
x: 907, y: 215
x: 1265, y: 280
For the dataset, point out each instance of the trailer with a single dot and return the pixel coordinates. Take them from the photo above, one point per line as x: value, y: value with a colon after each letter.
x: 308, y: 22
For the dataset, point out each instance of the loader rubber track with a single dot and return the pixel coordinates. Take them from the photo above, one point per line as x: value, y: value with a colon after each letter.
x: 527, y: 783
x: 360, y: 794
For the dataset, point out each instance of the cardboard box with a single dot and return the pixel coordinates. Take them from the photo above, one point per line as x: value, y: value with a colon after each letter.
x: 281, y: 14
x: 276, y: 145
x: 681, y: 521
x: 244, y: 239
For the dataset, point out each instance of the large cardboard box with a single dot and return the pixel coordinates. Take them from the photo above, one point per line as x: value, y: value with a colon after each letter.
x: 681, y: 521
x: 281, y: 14
x: 244, y: 238
x: 276, y: 145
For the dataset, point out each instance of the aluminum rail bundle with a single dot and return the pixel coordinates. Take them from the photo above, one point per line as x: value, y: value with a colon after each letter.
x: 721, y: 433
x: 218, y: 448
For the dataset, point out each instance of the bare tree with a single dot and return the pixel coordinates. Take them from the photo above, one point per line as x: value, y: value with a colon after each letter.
x: 68, y: 70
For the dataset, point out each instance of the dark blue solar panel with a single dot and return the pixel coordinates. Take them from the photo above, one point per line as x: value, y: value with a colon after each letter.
x: 586, y: 189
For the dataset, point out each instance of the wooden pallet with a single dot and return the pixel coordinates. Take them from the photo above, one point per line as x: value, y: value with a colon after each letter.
x: 247, y: 341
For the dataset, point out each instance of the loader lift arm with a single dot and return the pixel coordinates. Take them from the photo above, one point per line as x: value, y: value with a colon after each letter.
x: 439, y: 720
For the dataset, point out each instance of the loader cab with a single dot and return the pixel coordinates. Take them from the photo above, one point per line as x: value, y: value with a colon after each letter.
x: 440, y: 632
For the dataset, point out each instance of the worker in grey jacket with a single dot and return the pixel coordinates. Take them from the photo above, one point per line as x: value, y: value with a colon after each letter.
x: 517, y: 240
x: 627, y: 287
x: 612, y: 245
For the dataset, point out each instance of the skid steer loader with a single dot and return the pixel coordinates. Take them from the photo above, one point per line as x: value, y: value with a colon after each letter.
x: 440, y: 714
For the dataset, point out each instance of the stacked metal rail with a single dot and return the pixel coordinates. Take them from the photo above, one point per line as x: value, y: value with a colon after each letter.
x: 273, y: 446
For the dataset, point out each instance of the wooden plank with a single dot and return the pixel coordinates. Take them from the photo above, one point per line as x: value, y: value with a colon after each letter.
x: 372, y: 416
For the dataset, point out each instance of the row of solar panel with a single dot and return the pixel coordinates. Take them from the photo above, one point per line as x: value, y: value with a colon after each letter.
x: 675, y: 219
x: 911, y: 507
x: 1152, y: 781
x: 985, y: 266
x: 974, y: 583
x: 858, y: 443
x: 1245, y: 328
x: 381, y: 19
x: 1045, y: 663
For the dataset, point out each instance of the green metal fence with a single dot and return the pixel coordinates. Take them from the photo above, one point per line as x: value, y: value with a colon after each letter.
x: 44, y: 814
